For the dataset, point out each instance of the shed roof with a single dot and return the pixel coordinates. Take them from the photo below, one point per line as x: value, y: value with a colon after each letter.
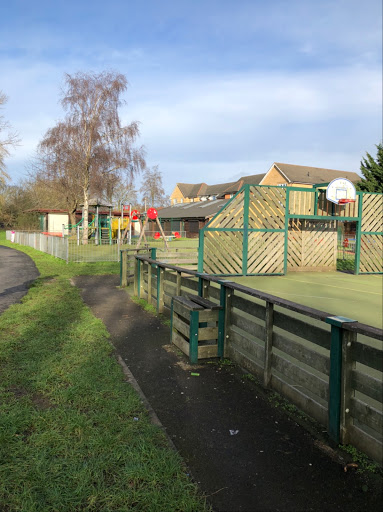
x: 198, y: 210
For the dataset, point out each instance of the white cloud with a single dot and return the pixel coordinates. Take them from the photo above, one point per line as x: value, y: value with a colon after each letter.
x: 208, y: 128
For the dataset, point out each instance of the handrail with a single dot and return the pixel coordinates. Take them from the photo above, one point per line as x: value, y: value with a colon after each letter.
x: 368, y: 330
x: 71, y: 226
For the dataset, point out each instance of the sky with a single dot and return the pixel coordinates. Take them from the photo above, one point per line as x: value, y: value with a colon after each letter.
x: 221, y: 88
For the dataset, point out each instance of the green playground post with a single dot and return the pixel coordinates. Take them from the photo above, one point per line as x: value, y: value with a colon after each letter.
x: 193, y: 337
x: 287, y: 218
x: 200, y: 250
x: 245, y: 242
x: 358, y: 235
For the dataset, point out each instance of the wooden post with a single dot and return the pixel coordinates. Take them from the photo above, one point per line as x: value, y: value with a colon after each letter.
x: 162, y: 233
x: 203, y: 286
x: 124, y: 268
x: 137, y: 277
x: 224, y: 317
x: 335, y: 380
x: 171, y: 320
x: 200, y: 250
x: 347, y: 392
x: 142, y: 234
x: 160, y: 289
x: 268, y: 344
x: 141, y: 279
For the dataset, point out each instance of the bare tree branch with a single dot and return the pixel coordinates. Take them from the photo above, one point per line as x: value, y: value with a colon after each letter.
x: 8, y: 140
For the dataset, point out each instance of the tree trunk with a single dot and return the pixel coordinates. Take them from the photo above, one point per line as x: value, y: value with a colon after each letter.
x: 85, y: 214
x: 72, y: 221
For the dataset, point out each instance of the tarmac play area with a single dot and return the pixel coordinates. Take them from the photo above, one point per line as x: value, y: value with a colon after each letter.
x: 358, y: 297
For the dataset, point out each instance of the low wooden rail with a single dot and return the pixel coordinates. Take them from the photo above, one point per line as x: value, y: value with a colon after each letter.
x: 185, y: 256
x: 330, y: 367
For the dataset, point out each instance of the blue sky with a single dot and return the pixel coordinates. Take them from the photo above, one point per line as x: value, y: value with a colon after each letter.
x: 222, y: 88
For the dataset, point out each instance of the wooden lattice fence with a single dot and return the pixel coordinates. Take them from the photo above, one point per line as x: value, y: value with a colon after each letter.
x: 371, y: 236
x: 312, y: 245
x: 268, y: 230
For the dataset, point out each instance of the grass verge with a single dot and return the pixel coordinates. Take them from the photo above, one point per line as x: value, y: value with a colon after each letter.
x: 74, y: 436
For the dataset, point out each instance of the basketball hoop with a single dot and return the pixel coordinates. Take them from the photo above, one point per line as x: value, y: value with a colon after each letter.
x: 341, y: 191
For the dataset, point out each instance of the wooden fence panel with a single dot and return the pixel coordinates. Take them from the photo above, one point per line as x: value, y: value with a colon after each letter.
x: 267, y: 207
x: 312, y: 245
x: 372, y: 212
x: 301, y: 202
x: 371, y: 251
x: 231, y: 216
x: 265, y: 253
x: 223, y: 252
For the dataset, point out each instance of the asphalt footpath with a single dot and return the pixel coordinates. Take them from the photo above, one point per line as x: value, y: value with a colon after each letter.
x: 245, y: 453
x: 17, y: 272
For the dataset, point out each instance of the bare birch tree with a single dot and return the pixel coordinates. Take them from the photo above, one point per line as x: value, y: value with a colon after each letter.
x: 152, y: 190
x: 101, y: 143
x: 90, y: 149
x: 8, y: 140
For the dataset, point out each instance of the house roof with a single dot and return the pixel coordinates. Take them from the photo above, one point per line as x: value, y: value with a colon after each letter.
x: 191, y: 189
x: 312, y: 175
x: 95, y: 201
x: 235, y: 186
x: 219, y: 188
x: 198, y: 210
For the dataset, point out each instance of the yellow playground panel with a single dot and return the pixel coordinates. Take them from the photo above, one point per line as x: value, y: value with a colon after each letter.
x: 118, y: 221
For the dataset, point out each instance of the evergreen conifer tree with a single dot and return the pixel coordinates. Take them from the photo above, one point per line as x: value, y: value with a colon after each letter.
x: 372, y: 171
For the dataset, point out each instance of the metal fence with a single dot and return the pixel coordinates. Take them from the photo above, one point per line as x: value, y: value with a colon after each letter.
x: 53, y: 245
x: 346, y: 248
x: 67, y: 249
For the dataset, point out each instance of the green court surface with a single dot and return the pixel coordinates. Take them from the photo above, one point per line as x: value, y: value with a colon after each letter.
x: 353, y: 296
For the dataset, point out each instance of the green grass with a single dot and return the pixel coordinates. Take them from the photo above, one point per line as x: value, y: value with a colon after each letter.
x: 345, y: 265
x: 74, y: 435
x: 361, y: 459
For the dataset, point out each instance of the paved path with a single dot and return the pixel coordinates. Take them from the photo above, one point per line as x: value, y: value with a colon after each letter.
x: 17, y: 271
x: 245, y: 454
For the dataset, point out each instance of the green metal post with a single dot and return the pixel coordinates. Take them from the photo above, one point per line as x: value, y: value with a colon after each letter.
x: 335, y: 380
x: 287, y: 218
x: 358, y: 235
x: 316, y: 202
x: 200, y: 251
x: 153, y: 253
x: 193, y: 337
x: 245, y: 247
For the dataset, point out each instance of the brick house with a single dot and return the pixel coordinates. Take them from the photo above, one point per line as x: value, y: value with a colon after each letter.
x: 278, y: 174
